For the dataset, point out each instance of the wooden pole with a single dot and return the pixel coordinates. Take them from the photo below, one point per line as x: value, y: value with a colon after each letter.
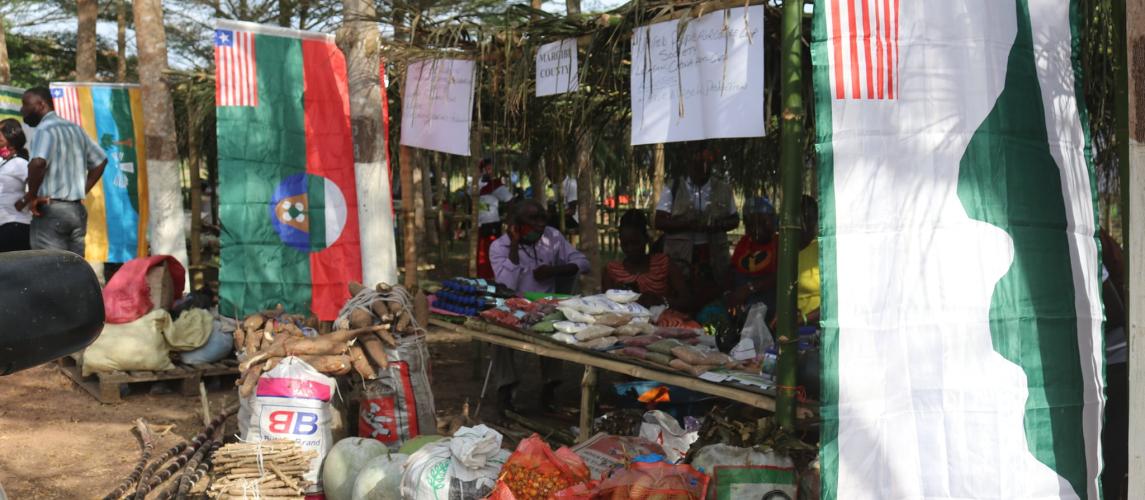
x: 409, y: 216
x: 657, y: 180
x: 790, y: 226
x: 1134, y: 236
x: 195, y: 259
x: 587, y: 403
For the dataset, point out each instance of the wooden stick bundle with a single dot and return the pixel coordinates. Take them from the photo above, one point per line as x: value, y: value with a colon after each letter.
x: 273, y: 469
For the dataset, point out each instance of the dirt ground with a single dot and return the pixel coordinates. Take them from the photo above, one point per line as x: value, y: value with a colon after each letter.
x: 56, y: 441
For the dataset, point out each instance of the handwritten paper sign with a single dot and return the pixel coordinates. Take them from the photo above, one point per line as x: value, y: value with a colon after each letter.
x: 556, y: 68
x: 709, y: 85
x: 438, y: 105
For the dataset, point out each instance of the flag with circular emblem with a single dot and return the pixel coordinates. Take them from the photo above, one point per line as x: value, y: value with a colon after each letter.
x: 286, y: 171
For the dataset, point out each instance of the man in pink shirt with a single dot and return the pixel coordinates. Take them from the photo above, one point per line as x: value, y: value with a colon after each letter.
x: 530, y: 258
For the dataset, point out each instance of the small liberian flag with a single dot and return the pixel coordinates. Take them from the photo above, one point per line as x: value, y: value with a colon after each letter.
x: 66, y: 104
x: 864, y: 49
x: 236, y: 79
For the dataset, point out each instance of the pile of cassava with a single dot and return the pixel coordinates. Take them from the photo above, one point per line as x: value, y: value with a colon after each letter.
x: 370, y: 322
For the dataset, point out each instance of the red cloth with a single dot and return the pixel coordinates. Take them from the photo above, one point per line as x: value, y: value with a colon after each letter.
x: 653, y: 281
x: 484, y: 265
x: 755, y: 259
x: 127, y: 297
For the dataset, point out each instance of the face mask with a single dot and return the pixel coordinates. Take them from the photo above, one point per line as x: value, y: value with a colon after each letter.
x: 530, y: 235
x: 5, y: 152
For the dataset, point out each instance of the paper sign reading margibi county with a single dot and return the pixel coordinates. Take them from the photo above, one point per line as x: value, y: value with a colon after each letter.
x: 438, y: 105
x: 705, y: 83
x: 557, y: 68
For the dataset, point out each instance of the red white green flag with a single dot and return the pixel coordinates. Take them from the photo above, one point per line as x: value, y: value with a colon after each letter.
x: 962, y: 345
x: 286, y: 171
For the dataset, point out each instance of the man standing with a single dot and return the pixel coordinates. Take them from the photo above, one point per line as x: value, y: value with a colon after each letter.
x: 492, y: 193
x: 530, y: 258
x: 65, y: 164
x: 696, y: 212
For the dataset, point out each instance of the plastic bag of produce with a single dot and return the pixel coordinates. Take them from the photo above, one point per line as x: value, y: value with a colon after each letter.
x: 380, y: 478
x: 604, y: 453
x: 190, y: 331
x: 138, y: 345
x: 645, y: 481
x: 219, y: 345
x: 594, y: 332
x: 663, y: 429
x: 464, y: 467
x: 536, y: 472
x: 398, y: 405
x: 746, y: 473
x: 292, y: 401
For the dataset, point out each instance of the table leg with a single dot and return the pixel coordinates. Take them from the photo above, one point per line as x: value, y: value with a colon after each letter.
x: 587, y: 403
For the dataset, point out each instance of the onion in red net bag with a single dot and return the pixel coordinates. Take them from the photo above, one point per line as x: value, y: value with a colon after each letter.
x: 644, y: 481
x: 536, y: 472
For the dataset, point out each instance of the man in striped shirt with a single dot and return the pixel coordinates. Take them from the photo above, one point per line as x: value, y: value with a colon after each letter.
x: 65, y: 164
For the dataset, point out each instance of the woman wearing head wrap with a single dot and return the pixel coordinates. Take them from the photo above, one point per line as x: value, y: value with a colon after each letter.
x: 654, y: 275
x: 756, y: 258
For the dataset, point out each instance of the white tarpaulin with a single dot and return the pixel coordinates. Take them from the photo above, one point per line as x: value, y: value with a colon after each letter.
x: 706, y: 84
x: 556, y: 68
x: 437, y: 106
x: 961, y: 310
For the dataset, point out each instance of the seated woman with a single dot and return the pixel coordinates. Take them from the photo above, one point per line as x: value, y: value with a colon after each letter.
x: 755, y: 259
x: 657, y: 279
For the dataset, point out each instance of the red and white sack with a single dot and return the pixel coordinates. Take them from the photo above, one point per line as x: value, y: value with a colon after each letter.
x: 292, y: 401
x: 398, y: 405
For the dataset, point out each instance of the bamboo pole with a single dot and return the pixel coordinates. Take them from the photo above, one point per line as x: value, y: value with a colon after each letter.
x: 657, y: 180
x: 1132, y: 65
x: 790, y: 227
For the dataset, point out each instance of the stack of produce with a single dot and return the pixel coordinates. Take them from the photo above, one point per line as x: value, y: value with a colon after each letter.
x: 470, y: 296
x: 267, y: 469
x: 371, y: 321
x: 520, y: 313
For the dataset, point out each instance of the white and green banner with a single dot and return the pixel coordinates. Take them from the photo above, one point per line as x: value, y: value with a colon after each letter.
x: 962, y: 319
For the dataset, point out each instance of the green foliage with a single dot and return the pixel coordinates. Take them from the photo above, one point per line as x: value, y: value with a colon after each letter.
x: 39, y: 59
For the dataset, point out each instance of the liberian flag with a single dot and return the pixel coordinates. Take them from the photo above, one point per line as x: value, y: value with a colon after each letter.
x: 286, y: 171
x: 117, y: 207
x: 66, y: 104
x: 962, y: 348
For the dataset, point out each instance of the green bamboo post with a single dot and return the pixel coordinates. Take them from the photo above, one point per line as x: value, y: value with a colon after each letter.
x: 790, y: 227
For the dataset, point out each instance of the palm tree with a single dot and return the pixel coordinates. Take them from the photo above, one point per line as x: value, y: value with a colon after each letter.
x: 168, y: 232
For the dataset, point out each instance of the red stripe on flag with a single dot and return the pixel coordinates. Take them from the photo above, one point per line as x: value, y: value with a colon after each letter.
x: 330, y: 154
x: 879, y: 65
x: 851, y: 22
x: 869, y: 68
x: 837, y: 43
x: 893, y: 53
x: 236, y: 77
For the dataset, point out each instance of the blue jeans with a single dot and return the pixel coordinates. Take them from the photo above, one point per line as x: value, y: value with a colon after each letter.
x: 61, y: 225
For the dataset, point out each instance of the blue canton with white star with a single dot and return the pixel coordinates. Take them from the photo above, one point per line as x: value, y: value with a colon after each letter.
x: 224, y: 38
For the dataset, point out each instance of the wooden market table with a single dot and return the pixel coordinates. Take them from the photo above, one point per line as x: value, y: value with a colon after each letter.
x: 593, y: 360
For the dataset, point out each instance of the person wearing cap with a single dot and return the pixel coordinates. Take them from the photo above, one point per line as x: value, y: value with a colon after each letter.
x: 755, y: 261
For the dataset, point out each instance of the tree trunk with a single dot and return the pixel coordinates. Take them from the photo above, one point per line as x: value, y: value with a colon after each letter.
x: 418, y: 197
x: 539, y: 182
x: 304, y: 13
x: 359, y: 40
x: 572, y: 6
x: 429, y: 201
x: 168, y: 228
x: 87, y: 11
x: 409, y: 237
x: 586, y: 208
x: 657, y: 180
x: 285, y: 12
x: 194, y: 273
x: 121, y: 41
x: 5, y: 71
